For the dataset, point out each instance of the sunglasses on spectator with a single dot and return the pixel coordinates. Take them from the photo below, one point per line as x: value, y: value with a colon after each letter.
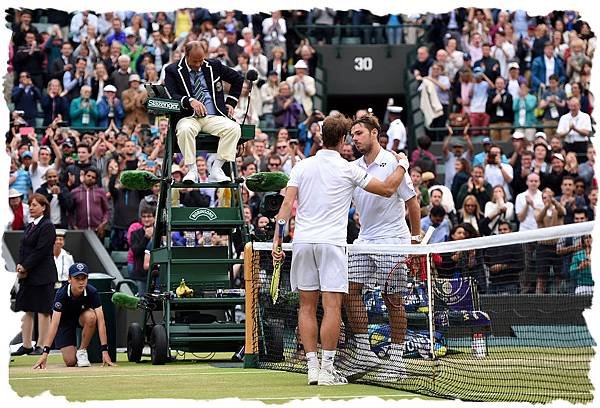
x: 273, y: 164
x: 282, y: 147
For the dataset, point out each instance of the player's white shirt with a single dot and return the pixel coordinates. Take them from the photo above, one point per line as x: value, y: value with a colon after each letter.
x: 396, y: 131
x: 325, y: 184
x: 529, y: 222
x: 382, y: 217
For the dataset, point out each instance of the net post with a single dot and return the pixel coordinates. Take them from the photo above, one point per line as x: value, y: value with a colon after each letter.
x: 430, y: 304
x: 251, y: 346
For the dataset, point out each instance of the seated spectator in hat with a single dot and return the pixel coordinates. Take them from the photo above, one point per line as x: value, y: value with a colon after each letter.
x: 451, y: 157
x: 110, y: 108
x: 76, y: 304
x: 18, y: 214
x: 553, y: 179
x: 480, y: 159
x: 437, y: 219
x: 83, y: 110
x: 504, y: 264
x: 133, y: 102
x: 62, y: 259
x: 59, y: 197
x: 302, y: 86
x: 19, y: 178
x: 514, y: 80
x: 524, y: 105
x: 519, y: 145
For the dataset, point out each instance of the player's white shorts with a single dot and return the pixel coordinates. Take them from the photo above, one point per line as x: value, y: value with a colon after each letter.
x: 321, y: 267
x: 374, y: 269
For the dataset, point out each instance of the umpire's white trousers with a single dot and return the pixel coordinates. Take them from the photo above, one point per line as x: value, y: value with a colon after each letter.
x: 226, y: 129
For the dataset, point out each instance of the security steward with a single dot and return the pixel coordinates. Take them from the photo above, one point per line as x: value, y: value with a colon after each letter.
x: 76, y: 303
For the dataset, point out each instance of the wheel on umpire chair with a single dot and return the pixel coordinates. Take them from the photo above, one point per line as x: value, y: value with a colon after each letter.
x: 159, y: 346
x: 135, y: 342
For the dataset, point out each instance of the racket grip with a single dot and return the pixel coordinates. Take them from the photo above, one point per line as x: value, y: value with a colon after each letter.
x: 280, y: 226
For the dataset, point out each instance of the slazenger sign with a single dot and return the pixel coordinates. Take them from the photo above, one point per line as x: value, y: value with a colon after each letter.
x: 203, y: 212
x: 163, y: 105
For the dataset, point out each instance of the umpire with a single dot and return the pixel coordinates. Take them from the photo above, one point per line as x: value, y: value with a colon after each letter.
x: 76, y: 304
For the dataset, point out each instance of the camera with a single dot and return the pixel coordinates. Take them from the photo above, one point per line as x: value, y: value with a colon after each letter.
x: 491, y: 159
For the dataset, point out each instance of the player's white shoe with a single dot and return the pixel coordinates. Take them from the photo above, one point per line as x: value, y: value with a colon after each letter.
x: 360, y: 361
x: 313, y: 376
x: 82, y: 358
x: 331, y: 377
x: 392, y: 371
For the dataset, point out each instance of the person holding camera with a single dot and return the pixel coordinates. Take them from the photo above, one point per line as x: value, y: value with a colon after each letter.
x: 497, y: 172
x: 30, y: 58
x: 110, y: 108
x: 26, y: 96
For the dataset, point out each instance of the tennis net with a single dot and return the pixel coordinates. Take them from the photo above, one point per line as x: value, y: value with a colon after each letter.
x: 477, y: 330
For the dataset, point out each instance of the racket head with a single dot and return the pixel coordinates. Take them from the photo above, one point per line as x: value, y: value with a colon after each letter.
x: 394, y: 287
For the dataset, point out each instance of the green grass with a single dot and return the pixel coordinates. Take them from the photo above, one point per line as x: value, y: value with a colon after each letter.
x: 191, y: 379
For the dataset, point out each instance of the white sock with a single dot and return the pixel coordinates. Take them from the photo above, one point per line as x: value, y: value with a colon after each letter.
x: 327, y: 361
x: 313, y: 359
x: 192, y: 168
x: 362, y: 340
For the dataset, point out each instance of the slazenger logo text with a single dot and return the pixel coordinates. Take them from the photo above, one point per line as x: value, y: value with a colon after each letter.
x: 203, y: 212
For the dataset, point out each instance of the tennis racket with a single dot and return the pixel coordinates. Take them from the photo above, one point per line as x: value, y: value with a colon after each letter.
x: 277, y: 266
x: 392, y: 294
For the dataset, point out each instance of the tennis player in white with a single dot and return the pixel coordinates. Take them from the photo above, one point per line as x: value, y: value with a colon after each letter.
x: 323, y: 185
x: 382, y: 221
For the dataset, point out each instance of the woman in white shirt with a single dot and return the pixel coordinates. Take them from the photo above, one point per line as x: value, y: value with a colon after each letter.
x: 498, y: 209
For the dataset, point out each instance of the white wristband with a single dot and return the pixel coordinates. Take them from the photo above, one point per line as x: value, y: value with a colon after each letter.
x: 404, y: 164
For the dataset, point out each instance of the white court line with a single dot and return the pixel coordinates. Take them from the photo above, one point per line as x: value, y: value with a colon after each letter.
x: 331, y: 397
x: 158, y: 373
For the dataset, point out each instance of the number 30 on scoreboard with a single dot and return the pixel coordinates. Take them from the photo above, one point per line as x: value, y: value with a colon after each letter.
x: 363, y: 64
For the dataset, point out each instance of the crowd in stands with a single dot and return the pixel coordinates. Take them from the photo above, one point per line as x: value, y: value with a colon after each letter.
x: 492, y: 69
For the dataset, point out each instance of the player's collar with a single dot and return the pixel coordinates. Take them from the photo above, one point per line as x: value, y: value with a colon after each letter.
x: 328, y: 152
x: 380, y: 160
x: 69, y: 290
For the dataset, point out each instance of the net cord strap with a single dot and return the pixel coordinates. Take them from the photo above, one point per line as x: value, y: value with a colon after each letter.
x: 561, y: 231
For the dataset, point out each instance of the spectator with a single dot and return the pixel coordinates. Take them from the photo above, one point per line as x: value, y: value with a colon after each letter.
x: 489, y: 64
x: 59, y: 198
x: 22, y: 26
x: 462, y: 171
x: 497, y: 210
x: 477, y: 186
x: 133, y: 102
x: 29, y: 58
x: 470, y: 213
x: 437, y: 219
x: 480, y: 159
x: 553, y: 101
x: 66, y: 62
x: 132, y: 50
x: 524, y: 107
x: 592, y: 199
x: 120, y: 76
x: 498, y: 173
x: 540, y: 154
x: 422, y: 192
x: 474, y: 48
x: 527, y: 204
x: 90, y: 205
x: 54, y: 105
x: 117, y: 33
x: 286, y: 110
x: 422, y: 157
x: 545, y: 66
x: 140, y: 240
x: 420, y: 68
x: 581, y: 268
x: 126, y: 204
x: 586, y: 99
x: 503, y: 51
x: 499, y: 108
x: 576, y: 60
x: 569, y: 200
x: 462, y: 92
x: 26, y: 96
x: 246, y: 110
x: 396, y: 131
x: 19, y: 178
x: 110, y: 109
x: 479, y: 95
x: 268, y: 91
x: 442, y: 88
x: 552, y: 214
x: 75, y: 78
x: 575, y: 127
x: 274, y: 163
x: 62, y: 259
x: 520, y: 172
x: 18, y: 216
x: 259, y: 61
x: 514, y: 79
x: 79, y: 25
x: 504, y: 264
x: 553, y: 179
x: 586, y: 169
x: 36, y: 272
x: 571, y: 164
x: 83, y: 110
x: 41, y: 158
x: 277, y: 63
x: 274, y: 29
x: 303, y: 86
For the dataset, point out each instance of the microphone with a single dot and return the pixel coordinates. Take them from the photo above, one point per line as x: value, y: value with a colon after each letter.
x: 267, y: 181
x: 251, y: 76
x: 125, y: 301
x: 138, y: 179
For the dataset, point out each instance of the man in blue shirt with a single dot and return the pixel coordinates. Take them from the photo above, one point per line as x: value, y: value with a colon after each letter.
x: 437, y: 219
x: 76, y: 304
